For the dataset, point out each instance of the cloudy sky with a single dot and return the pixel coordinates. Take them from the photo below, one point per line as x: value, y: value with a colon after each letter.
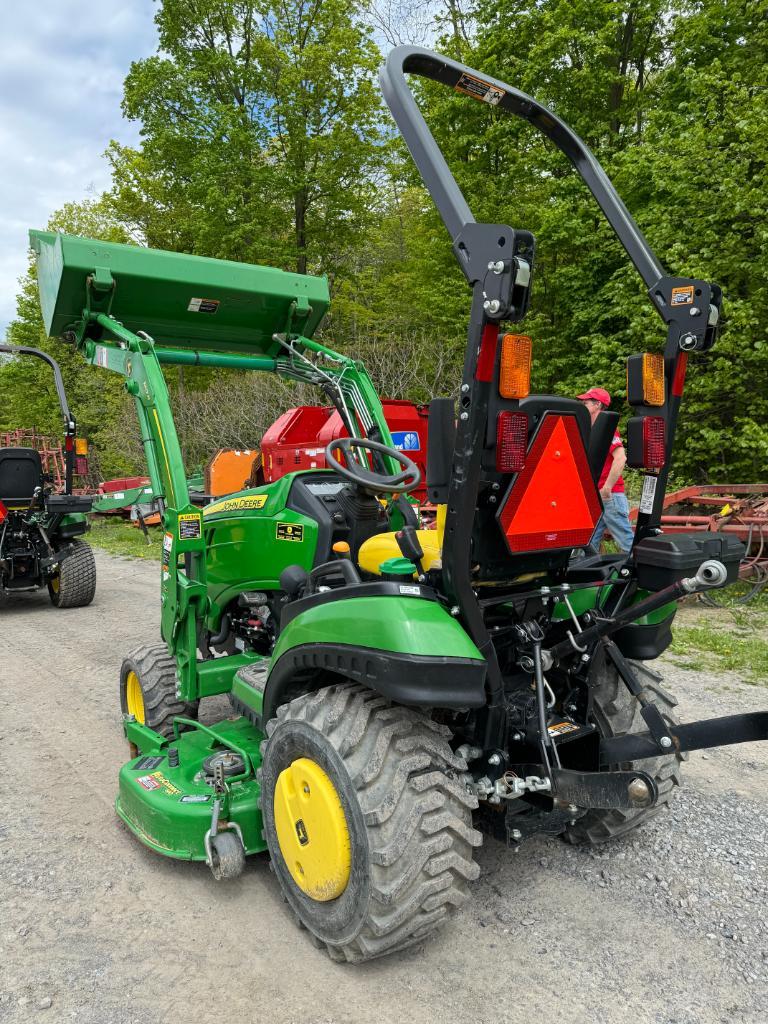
x: 62, y: 65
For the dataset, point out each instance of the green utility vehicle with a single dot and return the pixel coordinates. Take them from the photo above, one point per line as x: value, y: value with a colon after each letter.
x: 40, y: 530
x: 398, y: 691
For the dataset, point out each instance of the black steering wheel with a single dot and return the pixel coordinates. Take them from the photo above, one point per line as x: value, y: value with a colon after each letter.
x: 400, y: 483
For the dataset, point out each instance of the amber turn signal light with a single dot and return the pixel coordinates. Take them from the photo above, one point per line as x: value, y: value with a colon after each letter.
x: 645, y: 379
x: 515, y: 366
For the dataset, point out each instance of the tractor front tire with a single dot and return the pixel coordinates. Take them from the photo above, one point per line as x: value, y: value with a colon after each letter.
x: 74, y: 585
x: 368, y: 824
x: 617, y: 712
x: 148, y: 689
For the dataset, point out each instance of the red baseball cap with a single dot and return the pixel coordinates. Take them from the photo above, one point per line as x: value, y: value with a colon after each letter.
x: 599, y: 394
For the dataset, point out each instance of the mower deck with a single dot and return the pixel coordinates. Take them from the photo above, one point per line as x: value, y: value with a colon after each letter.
x: 167, y: 799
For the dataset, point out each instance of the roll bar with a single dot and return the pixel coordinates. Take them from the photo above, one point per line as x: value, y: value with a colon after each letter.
x: 433, y: 168
x: 70, y: 425
x: 24, y: 350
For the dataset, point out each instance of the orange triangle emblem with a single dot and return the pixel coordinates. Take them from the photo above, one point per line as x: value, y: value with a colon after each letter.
x: 553, y: 502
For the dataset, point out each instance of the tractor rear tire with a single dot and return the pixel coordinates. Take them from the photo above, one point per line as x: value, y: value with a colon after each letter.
x: 408, y: 817
x: 74, y: 585
x: 617, y: 712
x: 148, y: 689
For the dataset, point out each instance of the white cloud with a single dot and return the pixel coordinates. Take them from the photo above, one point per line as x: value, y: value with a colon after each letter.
x: 62, y: 66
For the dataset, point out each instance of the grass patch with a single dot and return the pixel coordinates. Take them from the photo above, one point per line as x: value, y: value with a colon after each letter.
x: 120, y: 537
x: 737, y: 649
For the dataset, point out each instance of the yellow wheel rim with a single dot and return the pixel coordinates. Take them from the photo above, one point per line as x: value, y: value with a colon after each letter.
x: 55, y: 584
x: 312, y: 830
x: 134, y: 698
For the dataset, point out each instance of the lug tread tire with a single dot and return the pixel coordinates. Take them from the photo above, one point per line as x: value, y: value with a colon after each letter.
x: 617, y: 712
x: 156, y: 670
x: 417, y: 816
x: 77, y: 578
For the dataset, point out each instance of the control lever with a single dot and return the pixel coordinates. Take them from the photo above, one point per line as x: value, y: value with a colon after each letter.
x: 408, y: 542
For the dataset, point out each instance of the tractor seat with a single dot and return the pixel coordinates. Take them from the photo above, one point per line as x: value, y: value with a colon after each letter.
x: 21, y: 471
x: 383, y: 546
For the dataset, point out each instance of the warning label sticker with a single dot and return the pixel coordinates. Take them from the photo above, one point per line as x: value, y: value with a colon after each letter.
x: 234, y: 504
x: 203, y: 305
x: 158, y: 781
x: 145, y: 764
x: 189, y: 526
x: 561, y: 728
x: 290, y: 531
x: 649, y: 493
x: 682, y: 296
x: 480, y: 90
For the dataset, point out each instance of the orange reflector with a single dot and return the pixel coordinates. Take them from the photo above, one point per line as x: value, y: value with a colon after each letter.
x: 553, y: 503
x: 515, y: 366
x: 645, y: 379
x: 511, y: 441
x: 81, y: 446
x: 341, y: 547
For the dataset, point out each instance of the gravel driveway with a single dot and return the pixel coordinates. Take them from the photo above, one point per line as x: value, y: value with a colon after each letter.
x: 667, y: 927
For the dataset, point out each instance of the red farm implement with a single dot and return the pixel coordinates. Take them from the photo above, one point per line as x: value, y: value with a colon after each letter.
x: 738, y: 509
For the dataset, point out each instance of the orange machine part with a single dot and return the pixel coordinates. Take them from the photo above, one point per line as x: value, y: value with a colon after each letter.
x: 553, y: 503
x: 228, y: 471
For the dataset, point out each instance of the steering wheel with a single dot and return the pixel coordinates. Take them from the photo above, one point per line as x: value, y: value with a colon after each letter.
x: 400, y: 483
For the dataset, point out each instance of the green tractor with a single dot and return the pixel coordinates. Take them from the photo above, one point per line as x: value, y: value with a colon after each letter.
x: 40, y: 530
x: 397, y: 692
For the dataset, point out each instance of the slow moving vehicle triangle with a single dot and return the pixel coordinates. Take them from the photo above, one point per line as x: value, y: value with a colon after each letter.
x: 553, y: 502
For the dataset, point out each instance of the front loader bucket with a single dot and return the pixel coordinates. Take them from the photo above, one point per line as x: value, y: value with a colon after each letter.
x: 188, y: 301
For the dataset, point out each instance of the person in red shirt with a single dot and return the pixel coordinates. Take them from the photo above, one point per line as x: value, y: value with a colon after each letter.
x: 611, y: 484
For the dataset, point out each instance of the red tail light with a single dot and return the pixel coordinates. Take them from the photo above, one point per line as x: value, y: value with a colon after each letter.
x: 3, y: 512
x: 511, y: 441
x: 654, y: 442
x: 69, y: 444
x: 646, y: 442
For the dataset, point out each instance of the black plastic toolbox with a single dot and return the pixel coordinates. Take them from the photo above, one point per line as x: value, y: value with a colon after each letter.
x: 661, y: 561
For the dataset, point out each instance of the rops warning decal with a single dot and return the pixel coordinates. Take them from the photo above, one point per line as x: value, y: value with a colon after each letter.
x: 649, y: 493
x: 480, y: 90
x: 682, y: 296
x: 189, y: 526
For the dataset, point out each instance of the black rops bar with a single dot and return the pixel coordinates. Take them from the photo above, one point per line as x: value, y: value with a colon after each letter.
x: 434, y: 170
x: 70, y: 426
x: 689, y: 307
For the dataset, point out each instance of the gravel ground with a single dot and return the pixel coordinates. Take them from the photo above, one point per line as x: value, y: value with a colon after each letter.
x: 666, y: 927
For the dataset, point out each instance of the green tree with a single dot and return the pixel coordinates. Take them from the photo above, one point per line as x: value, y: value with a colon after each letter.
x: 27, y: 393
x: 260, y: 127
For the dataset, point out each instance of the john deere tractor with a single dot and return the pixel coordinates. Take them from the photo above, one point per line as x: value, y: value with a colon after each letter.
x: 397, y: 691
x: 40, y: 530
